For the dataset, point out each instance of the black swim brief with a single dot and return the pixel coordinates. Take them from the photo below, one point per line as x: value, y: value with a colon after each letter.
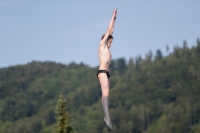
x: 103, y: 71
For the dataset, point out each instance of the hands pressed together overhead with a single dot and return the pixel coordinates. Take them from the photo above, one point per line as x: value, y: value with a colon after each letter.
x: 115, y: 13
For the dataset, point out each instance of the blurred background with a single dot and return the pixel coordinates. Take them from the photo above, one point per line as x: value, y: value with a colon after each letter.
x: 49, y: 48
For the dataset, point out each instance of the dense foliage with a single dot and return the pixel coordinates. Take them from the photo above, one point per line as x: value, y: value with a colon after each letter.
x: 152, y: 95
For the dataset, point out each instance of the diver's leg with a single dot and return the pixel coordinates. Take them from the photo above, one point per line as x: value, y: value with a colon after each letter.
x: 105, y: 84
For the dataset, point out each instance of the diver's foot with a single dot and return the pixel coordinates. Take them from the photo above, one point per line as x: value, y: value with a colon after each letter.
x: 109, y: 124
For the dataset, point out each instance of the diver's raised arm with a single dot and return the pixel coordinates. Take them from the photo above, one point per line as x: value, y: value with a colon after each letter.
x: 110, y: 27
x: 113, y: 24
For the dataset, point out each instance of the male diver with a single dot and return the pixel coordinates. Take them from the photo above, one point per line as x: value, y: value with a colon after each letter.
x: 104, y: 55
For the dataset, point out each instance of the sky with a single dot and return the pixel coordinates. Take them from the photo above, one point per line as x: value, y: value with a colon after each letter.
x: 70, y: 31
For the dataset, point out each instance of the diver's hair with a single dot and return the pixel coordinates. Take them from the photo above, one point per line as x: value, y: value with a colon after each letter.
x: 109, y: 37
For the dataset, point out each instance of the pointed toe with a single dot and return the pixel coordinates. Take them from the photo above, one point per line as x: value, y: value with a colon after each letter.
x: 109, y: 125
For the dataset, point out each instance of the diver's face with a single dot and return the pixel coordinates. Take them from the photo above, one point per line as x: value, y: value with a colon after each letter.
x: 109, y: 42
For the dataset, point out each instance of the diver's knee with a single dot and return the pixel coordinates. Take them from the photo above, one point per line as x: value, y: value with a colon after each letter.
x: 106, y: 92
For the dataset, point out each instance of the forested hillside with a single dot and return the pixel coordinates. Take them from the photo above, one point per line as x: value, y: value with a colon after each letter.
x: 152, y: 95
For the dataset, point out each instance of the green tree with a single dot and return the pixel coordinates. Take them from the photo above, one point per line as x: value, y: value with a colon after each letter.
x: 167, y: 48
x: 159, y: 55
x: 63, y: 118
x: 121, y: 65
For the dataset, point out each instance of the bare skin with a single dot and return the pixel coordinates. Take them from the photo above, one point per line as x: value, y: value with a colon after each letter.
x: 105, y: 56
